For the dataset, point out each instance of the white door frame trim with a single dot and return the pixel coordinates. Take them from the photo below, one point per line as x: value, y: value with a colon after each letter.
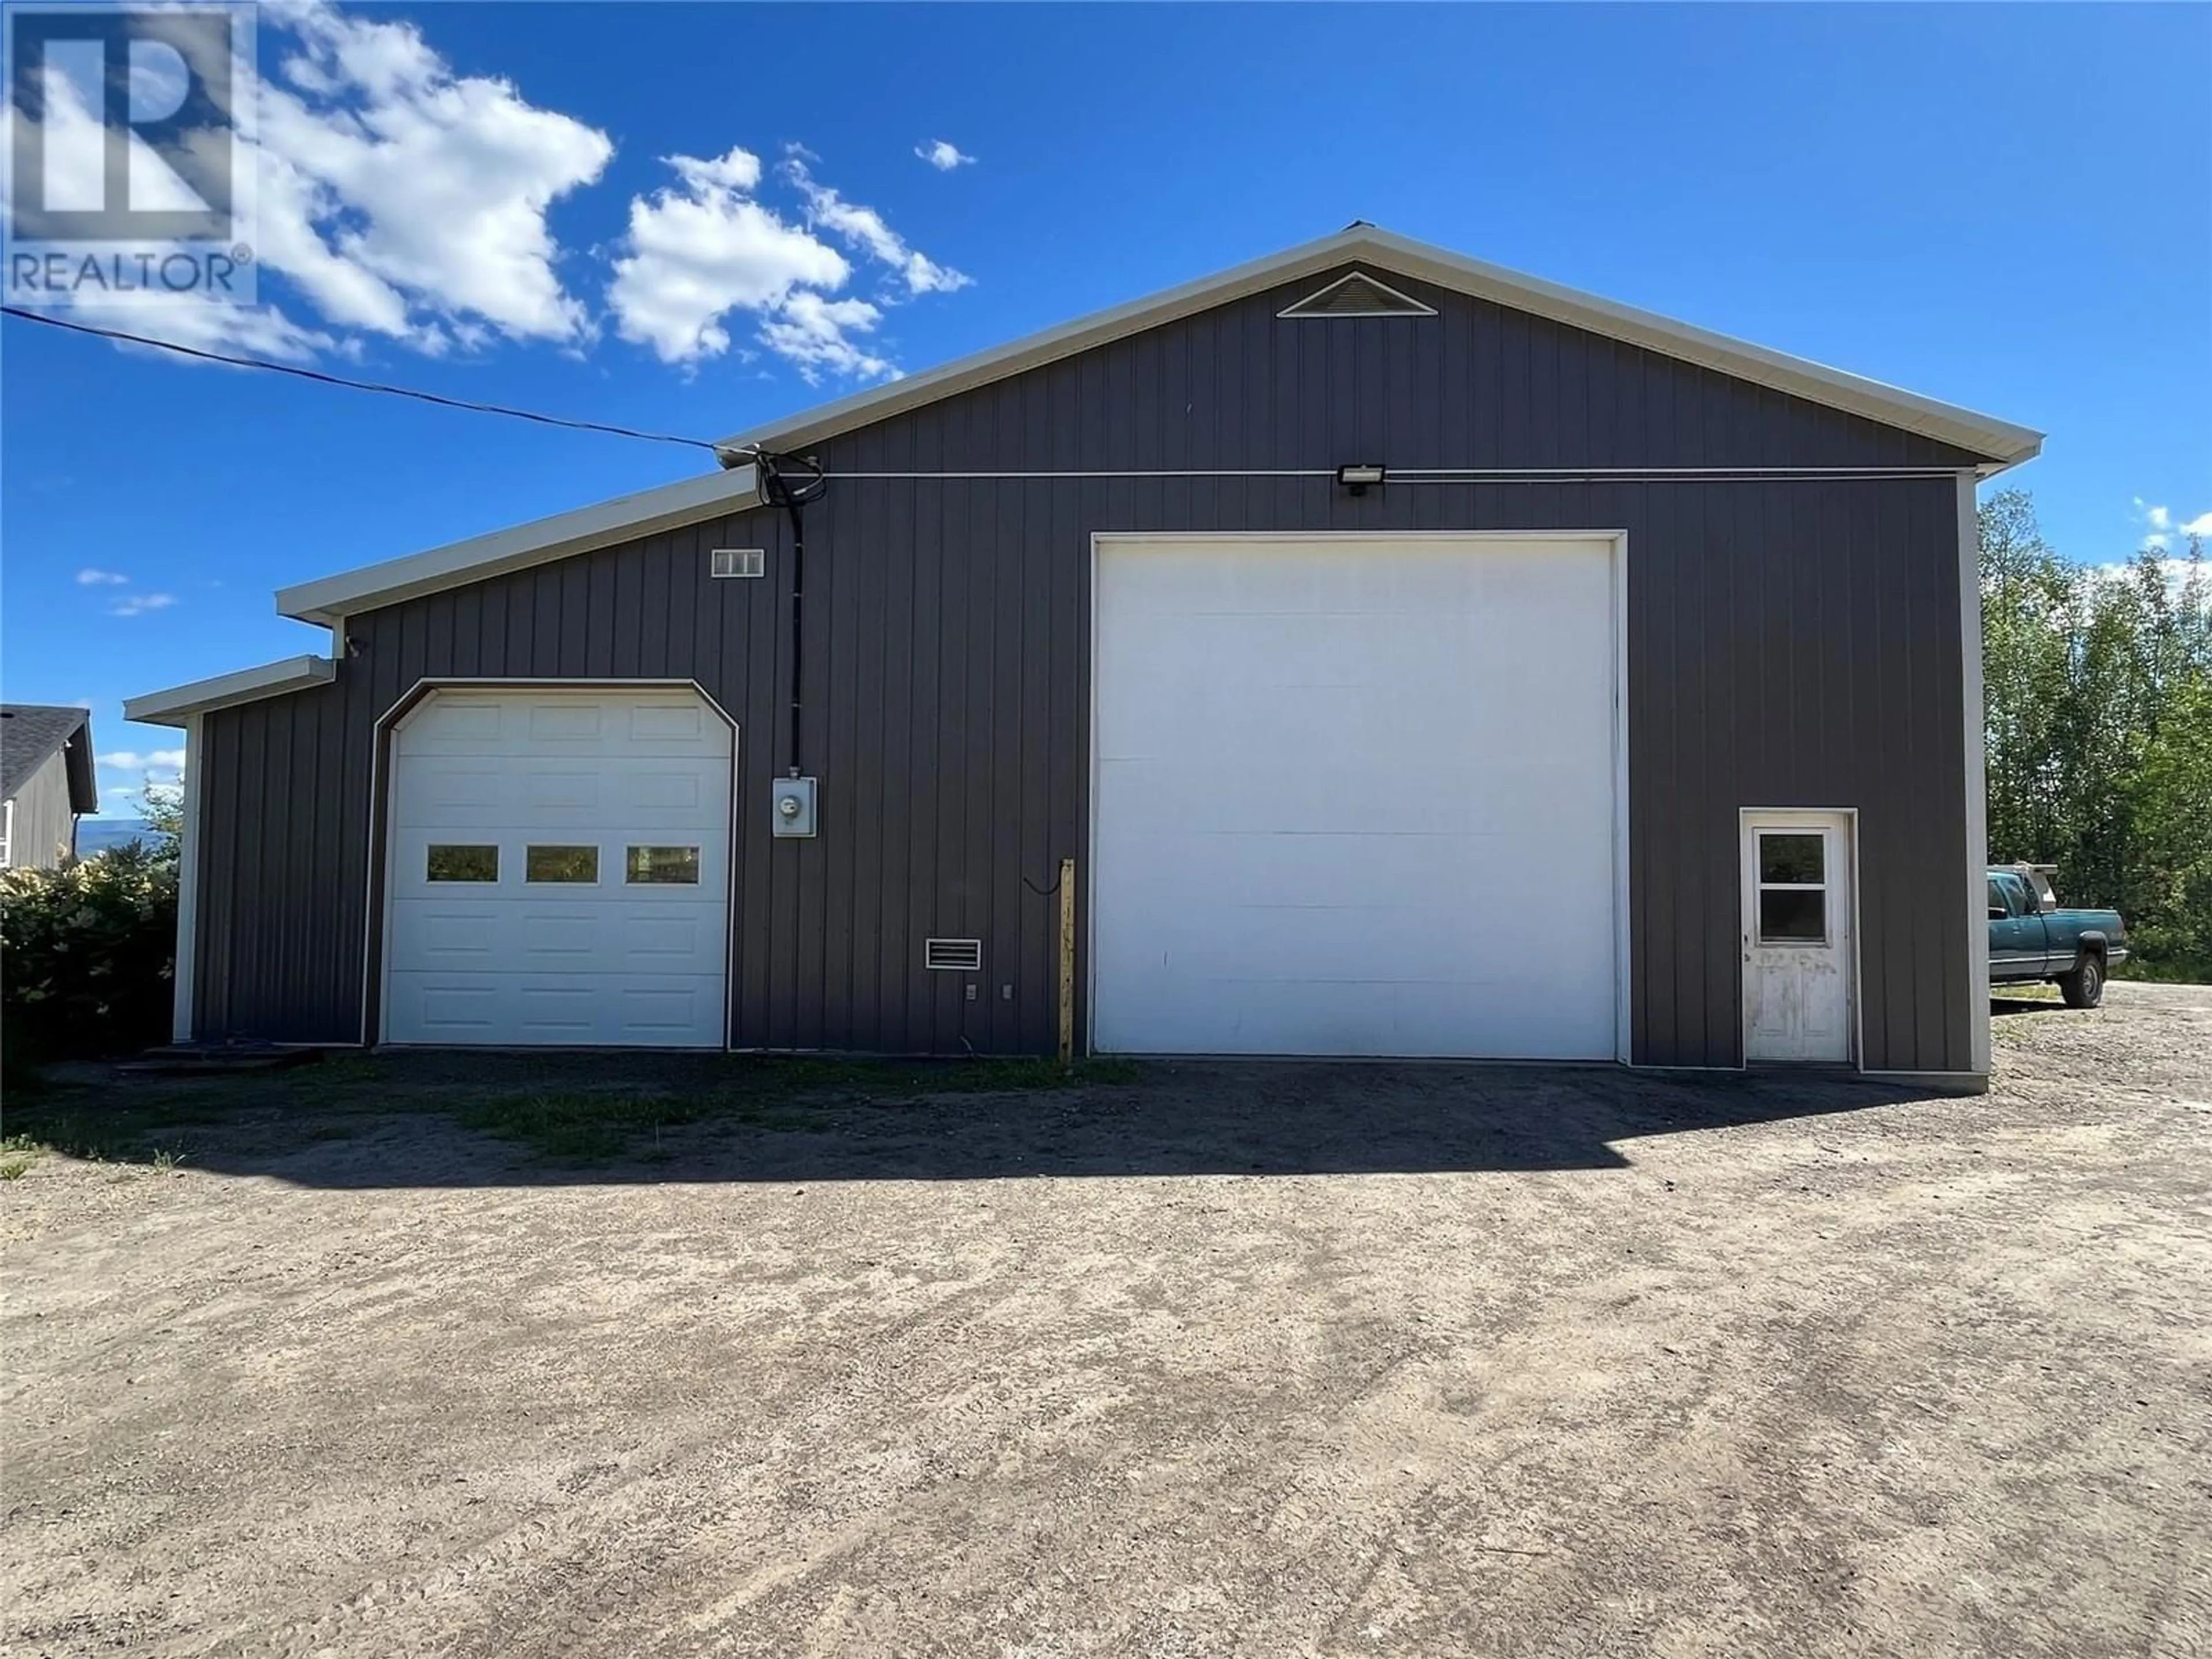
x: 1782, y: 816
x: 376, y: 881
x: 1617, y: 543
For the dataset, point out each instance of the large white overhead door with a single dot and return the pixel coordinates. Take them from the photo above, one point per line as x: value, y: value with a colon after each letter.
x: 1355, y: 796
x: 559, y: 869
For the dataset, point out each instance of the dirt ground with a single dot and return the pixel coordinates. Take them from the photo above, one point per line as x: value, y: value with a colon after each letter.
x: 1256, y: 1360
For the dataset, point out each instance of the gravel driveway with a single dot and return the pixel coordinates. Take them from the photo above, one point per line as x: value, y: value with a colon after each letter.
x: 1254, y: 1360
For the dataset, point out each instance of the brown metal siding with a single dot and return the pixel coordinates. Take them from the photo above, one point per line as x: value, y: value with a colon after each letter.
x: 1789, y: 644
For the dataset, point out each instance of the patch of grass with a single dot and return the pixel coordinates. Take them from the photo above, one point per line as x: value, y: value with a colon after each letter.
x: 346, y: 1068
x: 117, y: 1126
x: 557, y: 1115
x: 580, y: 1129
x: 18, y: 1152
x: 927, y: 1077
x: 767, y: 1092
x: 2165, y: 972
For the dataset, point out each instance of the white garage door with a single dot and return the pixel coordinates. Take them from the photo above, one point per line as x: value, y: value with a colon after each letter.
x: 559, y: 870
x: 1355, y: 797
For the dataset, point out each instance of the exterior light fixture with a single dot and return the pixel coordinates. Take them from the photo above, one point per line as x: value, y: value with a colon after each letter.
x: 1357, y: 479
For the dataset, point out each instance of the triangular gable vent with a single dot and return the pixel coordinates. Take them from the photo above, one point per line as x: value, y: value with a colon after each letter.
x: 1357, y: 295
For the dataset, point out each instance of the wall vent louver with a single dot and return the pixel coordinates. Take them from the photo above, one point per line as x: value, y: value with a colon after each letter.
x: 737, y: 561
x: 958, y: 956
x: 1357, y: 295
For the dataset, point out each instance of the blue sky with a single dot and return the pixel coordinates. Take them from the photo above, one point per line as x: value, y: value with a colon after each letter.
x: 2008, y: 208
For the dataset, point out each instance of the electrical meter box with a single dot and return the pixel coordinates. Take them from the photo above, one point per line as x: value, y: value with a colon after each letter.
x: 794, y: 806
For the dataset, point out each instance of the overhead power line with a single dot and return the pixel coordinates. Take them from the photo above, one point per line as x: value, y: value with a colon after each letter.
x: 317, y: 375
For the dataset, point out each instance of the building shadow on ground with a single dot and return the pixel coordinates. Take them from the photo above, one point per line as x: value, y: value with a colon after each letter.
x: 420, y: 1119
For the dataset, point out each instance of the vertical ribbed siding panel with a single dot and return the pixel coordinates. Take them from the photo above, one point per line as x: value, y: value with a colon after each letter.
x: 899, y: 949
x: 831, y: 723
x: 1657, y: 860
x: 865, y: 788
x: 1788, y: 644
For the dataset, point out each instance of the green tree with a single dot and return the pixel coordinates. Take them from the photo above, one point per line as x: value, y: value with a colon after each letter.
x: 162, y: 807
x: 2098, y: 729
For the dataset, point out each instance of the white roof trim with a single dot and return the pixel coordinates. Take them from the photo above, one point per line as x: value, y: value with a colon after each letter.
x: 2000, y: 441
x: 330, y: 600
x: 271, y: 679
x: 647, y: 513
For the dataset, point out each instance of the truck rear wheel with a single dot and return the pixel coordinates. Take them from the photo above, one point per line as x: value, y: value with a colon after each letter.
x: 2085, y: 986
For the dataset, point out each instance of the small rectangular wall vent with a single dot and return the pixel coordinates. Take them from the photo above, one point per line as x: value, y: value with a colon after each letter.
x: 737, y: 561
x: 958, y: 956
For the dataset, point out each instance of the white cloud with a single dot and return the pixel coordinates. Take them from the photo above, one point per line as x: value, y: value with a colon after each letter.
x: 816, y: 334
x: 262, y: 331
x: 409, y: 200
x: 702, y: 248
x: 707, y: 245
x: 138, y: 604
x: 2159, y: 527
x: 943, y: 155
x: 396, y: 196
x: 74, y: 148
x: 89, y: 577
x: 403, y: 201
x: 2174, y: 567
x: 158, y: 759
x: 863, y: 227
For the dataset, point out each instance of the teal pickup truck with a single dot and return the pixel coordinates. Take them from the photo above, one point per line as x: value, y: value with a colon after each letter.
x: 2031, y: 938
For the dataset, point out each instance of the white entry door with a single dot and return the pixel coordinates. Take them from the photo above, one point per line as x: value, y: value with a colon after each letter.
x: 1356, y: 795
x: 1799, y: 958
x: 558, y: 869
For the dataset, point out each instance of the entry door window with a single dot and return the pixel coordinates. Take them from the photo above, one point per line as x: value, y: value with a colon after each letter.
x: 1792, y: 887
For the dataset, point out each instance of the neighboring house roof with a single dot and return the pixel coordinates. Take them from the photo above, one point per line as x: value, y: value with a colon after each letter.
x: 328, y: 600
x: 32, y: 733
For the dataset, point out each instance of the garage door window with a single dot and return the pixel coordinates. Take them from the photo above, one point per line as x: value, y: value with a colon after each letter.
x: 449, y: 862
x: 543, y: 865
x: 676, y: 866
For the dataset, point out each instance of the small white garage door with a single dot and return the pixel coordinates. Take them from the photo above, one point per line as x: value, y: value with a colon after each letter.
x: 1355, y: 796
x: 559, y: 869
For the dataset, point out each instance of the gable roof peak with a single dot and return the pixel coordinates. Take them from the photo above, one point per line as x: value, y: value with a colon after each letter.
x: 2000, y: 443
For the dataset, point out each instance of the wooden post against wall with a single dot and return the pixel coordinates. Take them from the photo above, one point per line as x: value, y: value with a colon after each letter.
x: 1067, y: 962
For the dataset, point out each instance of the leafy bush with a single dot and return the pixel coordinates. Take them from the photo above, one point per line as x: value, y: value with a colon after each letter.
x: 88, y: 955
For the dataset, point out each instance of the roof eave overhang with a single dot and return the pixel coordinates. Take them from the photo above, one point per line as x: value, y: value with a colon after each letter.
x: 180, y: 703
x: 648, y: 512
x: 83, y: 782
